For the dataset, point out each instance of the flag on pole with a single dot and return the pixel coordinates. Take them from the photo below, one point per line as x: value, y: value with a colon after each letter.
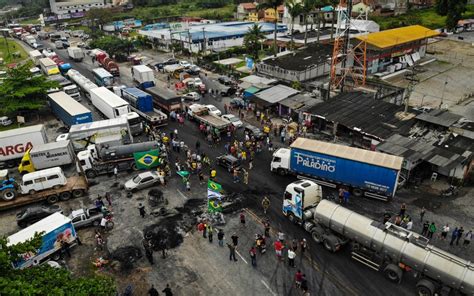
x: 214, y: 197
x: 147, y: 159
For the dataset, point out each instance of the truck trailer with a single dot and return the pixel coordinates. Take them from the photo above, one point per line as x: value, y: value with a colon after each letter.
x: 108, y: 103
x: 165, y: 99
x: 142, y: 103
x: 68, y: 110
x: 98, y: 160
x: 201, y: 114
x: 14, y: 143
x: 75, y: 53
x: 384, y: 247
x: 55, y: 229
x: 143, y: 76
x: 369, y: 173
x: 48, y: 66
x: 80, y: 80
x: 48, y: 155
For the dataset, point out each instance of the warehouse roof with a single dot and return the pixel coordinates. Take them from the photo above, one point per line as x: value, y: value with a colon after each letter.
x: 360, y: 112
x: 439, y: 117
x: 276, y: 93
x: 351, y: 153
x: 393, y: 37
x: 300, y: 102
x: 305, y: 58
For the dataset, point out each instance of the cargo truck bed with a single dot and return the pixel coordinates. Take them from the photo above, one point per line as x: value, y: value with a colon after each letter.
x: 212, y: 121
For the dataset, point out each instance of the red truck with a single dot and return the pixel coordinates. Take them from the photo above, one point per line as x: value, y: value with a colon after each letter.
x: 107, y: 63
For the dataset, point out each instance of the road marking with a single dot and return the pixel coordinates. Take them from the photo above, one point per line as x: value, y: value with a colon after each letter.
x: 182, y: 194
x: 241, y: 257
x: 268, y: 287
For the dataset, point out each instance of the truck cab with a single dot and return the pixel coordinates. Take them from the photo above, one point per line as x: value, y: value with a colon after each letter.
x: 26, y: 165
x: 85, y: 217
x: 299, y: 197
x: 73, y: 91
x: 281, y: 161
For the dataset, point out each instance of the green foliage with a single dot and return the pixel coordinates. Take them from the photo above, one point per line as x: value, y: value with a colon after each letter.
x: 121, y: 48
x: 99, y: 16
x: 266, y: 4
x: 212, y: 3
x: 253, y: 40
x: 441, y: 7
x: 21, y: 90
x: 455, y: 9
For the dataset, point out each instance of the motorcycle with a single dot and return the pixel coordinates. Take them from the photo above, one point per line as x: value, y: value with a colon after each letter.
x: 451, y: 191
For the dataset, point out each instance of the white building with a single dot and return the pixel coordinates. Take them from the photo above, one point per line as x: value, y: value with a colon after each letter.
x: 73, y: 6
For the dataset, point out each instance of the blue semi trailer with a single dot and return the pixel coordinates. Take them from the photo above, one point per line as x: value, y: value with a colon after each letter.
x: 369, y: 173
x: 68, y: 110
x: 142, y: 103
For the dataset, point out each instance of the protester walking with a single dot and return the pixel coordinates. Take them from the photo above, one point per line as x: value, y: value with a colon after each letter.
x: 422, y: 214
x: 220, y: 237
x: 303, y: 246
x: 253, y: 255
x: 304, y: 283
x: 431, y: 230
x: 403, y: 209
x: 291, y: 257
x: 424, y: 232
x: 347, y: 194
x: 235, y: 239
x: 467, y: 238
x: 231, y: 252
x: 444, y: 232
x: 153, y: 291
x: 141, y: 209
x: 454, y: 235
x: 115, y: 173
x: 210, y: 232
x: 278, y: 249
x: 265, y: 204
x: 298, y: 278
x: 294, y: 245
x: 460, y: 233
x: 266, y: 226
x: 242, y: 218
x: 167, y: 290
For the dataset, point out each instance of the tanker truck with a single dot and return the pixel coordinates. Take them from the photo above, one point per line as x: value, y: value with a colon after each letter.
x: 384, y: 247
x: 102, y: 159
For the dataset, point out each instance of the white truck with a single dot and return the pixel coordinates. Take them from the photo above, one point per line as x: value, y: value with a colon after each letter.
x: 110, y: 131
x: 57, y: 229
x: 143, y: 76
x: 75, y: 53
x: 15, y: 142
x: 31, y: 41
x: 48, y: 66
x: 84, y: 84
x: 35, y: 56
x: 46, y: 156
x: 383, y: 247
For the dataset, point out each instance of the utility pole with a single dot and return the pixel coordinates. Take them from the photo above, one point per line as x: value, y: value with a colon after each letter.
x: 413, y: 80
x: 203, y: 40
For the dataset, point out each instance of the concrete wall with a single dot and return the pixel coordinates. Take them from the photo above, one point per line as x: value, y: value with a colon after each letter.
x: 73, y: 6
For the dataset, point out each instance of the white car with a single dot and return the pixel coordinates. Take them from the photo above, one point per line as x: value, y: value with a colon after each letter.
x: 193, y: 96
x: 185, y: 64
x: 213, y: 110
x: 232, y: 119
x: 142, y: 180
x: 198, y: 82
x: 62, y: 137
x: 5, y: 121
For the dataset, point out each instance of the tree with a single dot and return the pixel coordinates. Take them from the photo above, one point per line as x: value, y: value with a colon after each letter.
x: 21, y: 90
x: 119, y: 47
x: 453, y: 10
x: 273, y: 4
x: 308, y: 6
x: 99, y: 16
x: 253, y: 40
x: 44, y: 280
x: 294, y: 10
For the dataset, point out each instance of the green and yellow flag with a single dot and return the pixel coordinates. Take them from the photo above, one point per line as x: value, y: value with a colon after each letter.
x: 214, y: 197
x: 146, y: 160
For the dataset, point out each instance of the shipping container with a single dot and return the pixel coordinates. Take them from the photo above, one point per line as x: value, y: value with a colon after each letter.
x: 108, y: 103
x: 144, y: 76
x: 15, y: 142
x: 68, y: 109
x: 48, y: 155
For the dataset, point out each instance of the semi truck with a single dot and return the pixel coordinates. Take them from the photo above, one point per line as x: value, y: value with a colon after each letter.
x: 102, y: 159
x: 48, y: 155
x: 75, y: 53
x: 35, y: 56
x: 143, y: 76
x: 384, y: 247
x: 48, y: 66
x: 54, y: 229
x: 68, y: 110
x: 113, y: 131
x: 369, y: 173
x: 106, y: 62
x: 65, y: 85
x: 200, y: 114
x: 165, y: 99
x: 84, y: 84
x: 112, y: 106
x: 142, y: 103
x: 15, y: 142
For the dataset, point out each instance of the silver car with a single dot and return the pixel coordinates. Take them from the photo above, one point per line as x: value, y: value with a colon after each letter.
x: 143, y: 180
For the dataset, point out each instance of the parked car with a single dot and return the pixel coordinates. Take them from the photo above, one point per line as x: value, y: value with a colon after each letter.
x: 225, y: 80
x: 213, y: 110
x: 166, y: 63
x: 5, y: 121
x: 232, y: 119
x: 32, y: 215
x: 237, y: 103
x: 185, y: 64
x: 228, y: 161
x: 88, y: 217
x: 193, y: 96
x: 254, y: 132
x: 193, y: 70
x: 142, y: 180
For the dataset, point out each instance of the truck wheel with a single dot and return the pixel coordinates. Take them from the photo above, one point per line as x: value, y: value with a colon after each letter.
x: 393, y: 273
x: 56, y: 256
x: 316, y: 236
x: 52, y: 199
x: 9, y: 194
x: 357, y: 192
x: 65, y: 195
x: 134, y: 167
x: 91, y: 174
x: 77, y: 193
x: 425, y: 288
x: 329, y: 244
x: 281, y: 171
x: 31, y: 192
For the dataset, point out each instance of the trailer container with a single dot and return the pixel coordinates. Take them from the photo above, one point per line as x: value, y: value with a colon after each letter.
x: 68, y: 109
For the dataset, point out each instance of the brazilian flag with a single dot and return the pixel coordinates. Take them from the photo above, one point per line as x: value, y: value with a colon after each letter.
x: 214, y: 197
x: 146, y: 160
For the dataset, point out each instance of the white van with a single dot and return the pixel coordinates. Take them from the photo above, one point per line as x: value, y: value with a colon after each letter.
x: 43, y: 179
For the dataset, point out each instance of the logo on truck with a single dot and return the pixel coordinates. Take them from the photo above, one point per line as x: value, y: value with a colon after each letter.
x: 315, y: 162
x: 15, y: 149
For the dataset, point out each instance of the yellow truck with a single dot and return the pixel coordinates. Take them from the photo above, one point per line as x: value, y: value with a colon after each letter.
x: 46, y: 156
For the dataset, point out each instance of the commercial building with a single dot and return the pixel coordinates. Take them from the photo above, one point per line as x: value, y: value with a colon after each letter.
x: 396, y: 49
x: 213, y: 37
x: 61, y: 7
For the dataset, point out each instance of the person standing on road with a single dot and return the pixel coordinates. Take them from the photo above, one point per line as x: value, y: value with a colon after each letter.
x: 444, y: 232
x: 250, y: 164
x: 294, y: 245
x: 431, y: 230
x: 341, y: 195
x: 141, y: 209
x: 220, y: 237
x: 231, y: 252
x: 298, y: 278
x: 291, y: 257
x: 210, y: 232
x: 403, y: 209
x: 460, y: 233
x: 266, y: 225
x: 153, y: 291
x: 115, y: 172
x: 347, y: 194
x: 225, y: 108
x: 304, y: 283
x: 409, y: 224
x: 204, y: 230
x: 108, y: 197
x: 246, y: 176
x: 242, y: 218
x: 303, y: 245
x: 454, y: 235
x: 167, y: 290
x: 278, y: 249
x: 281, y: 236
x: 424, y: 232
x: 422, y: 213
x: 265, y: 204
x: 467, y: 239
x: 235, y: 239
x: 253, y: 255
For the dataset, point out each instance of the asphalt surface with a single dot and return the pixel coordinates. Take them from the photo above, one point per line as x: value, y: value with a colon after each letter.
x: 351, y: 277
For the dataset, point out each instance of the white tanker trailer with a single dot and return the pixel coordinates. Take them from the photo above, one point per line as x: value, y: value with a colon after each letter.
x: 383, y: 247
x: 84, y: 84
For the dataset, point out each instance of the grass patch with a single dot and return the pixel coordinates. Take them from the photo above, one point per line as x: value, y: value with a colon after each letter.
x: 14, y: 48
x: 9, y: 127
x: 425, y: 17
x: 28, y: 21
x: 223, y: 13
